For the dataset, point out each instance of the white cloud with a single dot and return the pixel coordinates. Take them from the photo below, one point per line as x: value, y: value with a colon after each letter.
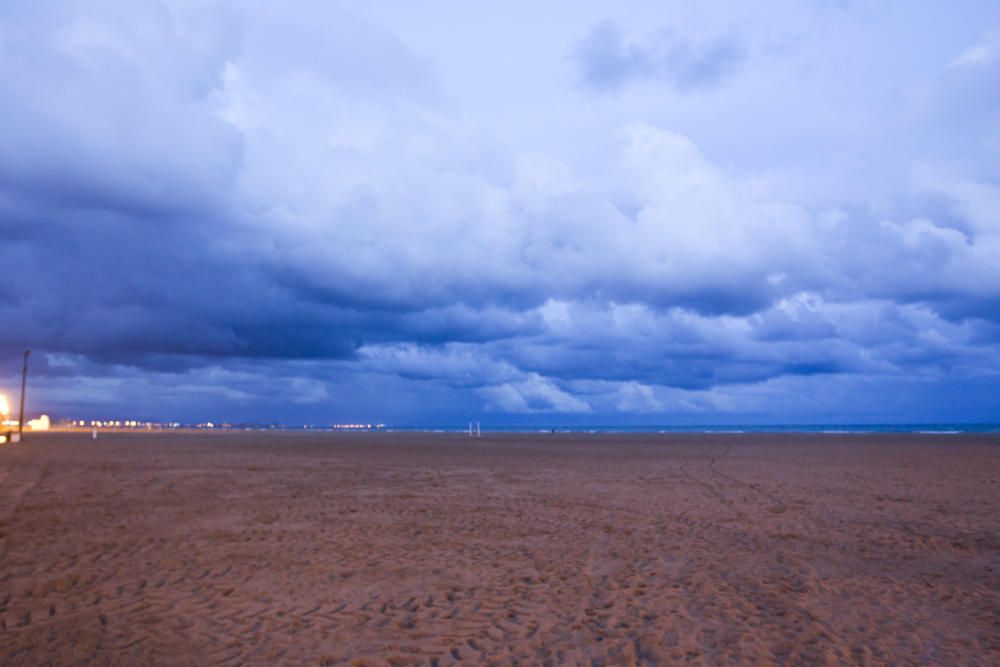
x: 637, y: 398
x: 982, y: 53
x: 533, y: 394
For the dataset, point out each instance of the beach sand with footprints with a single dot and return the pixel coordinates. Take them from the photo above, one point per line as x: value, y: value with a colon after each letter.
x: 433, y: 549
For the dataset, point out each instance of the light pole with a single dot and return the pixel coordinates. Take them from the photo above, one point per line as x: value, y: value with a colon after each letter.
x: 24, y: 381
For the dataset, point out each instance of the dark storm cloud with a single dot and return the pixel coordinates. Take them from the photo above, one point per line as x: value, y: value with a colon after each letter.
x: 608, y: 61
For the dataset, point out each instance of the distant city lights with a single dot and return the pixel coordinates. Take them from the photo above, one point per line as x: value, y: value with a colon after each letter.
x: 133, y: 424
x: 5, y: 419
x: 44, y: 423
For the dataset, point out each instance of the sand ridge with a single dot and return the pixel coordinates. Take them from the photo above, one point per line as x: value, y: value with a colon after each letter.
x: 429, y: 549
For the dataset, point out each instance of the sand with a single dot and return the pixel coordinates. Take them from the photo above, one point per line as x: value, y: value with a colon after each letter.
x: 390, y: 549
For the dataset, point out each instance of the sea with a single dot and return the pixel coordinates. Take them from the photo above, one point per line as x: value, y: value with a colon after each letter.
x: 748, y: 428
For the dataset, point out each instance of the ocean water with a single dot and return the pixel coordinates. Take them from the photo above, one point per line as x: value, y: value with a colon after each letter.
x: 749, y: 428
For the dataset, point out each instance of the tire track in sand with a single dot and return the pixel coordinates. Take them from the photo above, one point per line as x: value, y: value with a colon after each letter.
x: 15, y: 485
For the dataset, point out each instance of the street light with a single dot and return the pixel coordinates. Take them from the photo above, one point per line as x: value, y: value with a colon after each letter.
x: 24, y: 381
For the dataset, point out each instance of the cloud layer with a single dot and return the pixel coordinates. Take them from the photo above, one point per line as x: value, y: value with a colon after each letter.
x: 231, y: 211
x: 608, y: 61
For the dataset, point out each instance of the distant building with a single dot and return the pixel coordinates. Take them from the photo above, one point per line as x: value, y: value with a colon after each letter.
x: 40, y: 424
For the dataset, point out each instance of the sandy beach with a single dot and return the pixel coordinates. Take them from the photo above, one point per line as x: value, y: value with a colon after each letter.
x: 407, y: 549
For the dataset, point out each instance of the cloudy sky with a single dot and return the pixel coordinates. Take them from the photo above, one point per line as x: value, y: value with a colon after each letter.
x: 519, y: 212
